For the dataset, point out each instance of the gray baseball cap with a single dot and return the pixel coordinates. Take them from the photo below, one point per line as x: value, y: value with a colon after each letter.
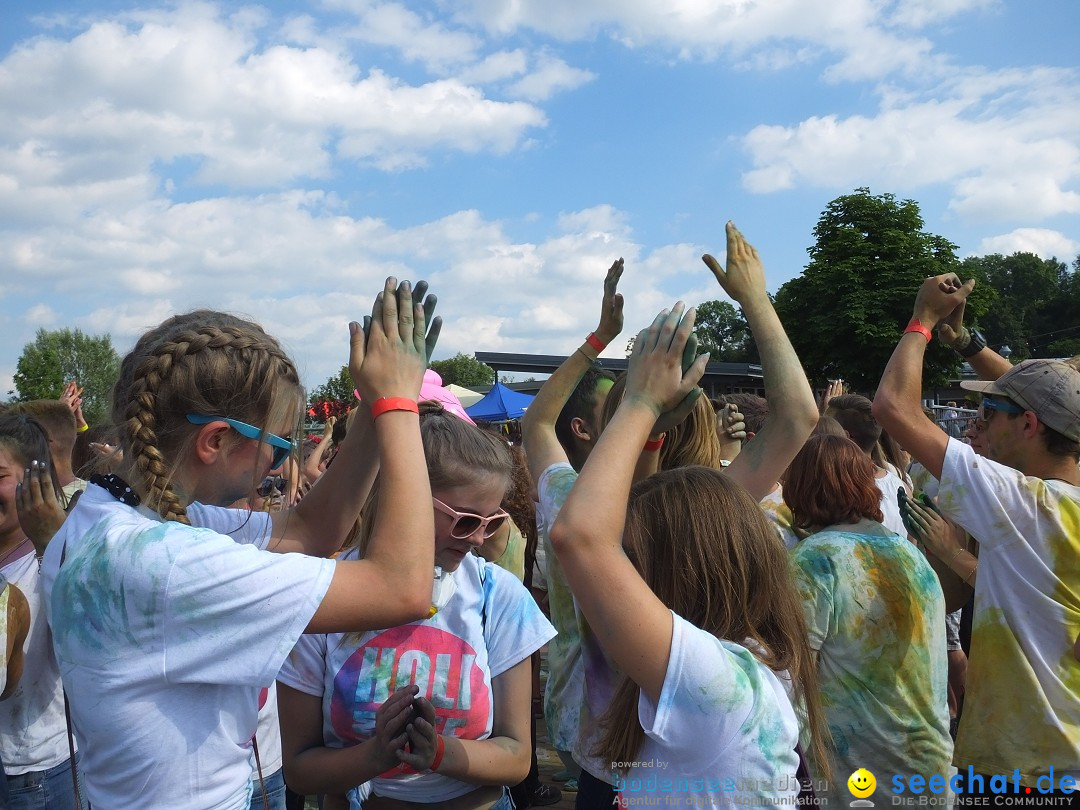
x: 1050, y: 388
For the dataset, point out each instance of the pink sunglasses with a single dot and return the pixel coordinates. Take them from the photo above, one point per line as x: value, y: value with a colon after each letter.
x: 466, y: 523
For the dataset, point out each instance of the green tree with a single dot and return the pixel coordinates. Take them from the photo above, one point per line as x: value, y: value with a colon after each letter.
x: 845, y: 313
x: 464, y: 369
x: 722, y: 331
x: 1031, y: 299
x: 57, y: 356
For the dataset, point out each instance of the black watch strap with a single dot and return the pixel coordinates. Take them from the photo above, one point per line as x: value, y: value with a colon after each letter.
x: 977, y: 344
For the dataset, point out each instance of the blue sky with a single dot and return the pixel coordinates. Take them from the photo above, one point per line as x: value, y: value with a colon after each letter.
x: 279, y: 159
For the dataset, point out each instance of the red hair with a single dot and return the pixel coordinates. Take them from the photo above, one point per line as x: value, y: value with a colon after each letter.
x: 831, y: 481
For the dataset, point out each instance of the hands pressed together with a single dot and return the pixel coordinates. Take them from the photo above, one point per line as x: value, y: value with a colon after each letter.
x: 405, y: 731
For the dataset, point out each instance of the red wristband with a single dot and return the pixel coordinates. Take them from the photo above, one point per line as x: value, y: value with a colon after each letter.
x: 652, y: 445
x: 916, y: 326
x: 384, y: 404
x: 595, y: 342
x: 440, y: 747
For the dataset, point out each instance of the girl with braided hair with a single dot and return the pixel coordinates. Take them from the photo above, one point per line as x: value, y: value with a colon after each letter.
x: 169, y: 612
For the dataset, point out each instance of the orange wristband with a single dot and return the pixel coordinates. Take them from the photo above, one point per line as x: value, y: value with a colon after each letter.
x: 595, y: 342
x: 652, y: 445
x: 384, y: 404
x: 917, y: 326
x: 440, y: 747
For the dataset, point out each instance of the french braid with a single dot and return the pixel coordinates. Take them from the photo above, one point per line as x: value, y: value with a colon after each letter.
x: 191, y: 364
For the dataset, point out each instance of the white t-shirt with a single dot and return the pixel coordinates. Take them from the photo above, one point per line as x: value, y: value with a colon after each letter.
x: 1022, y: 698
x: 33, y: 734
x: 723, y: 732
x: 164, y: 634
x: 490, y: 624
x: 889, y: 484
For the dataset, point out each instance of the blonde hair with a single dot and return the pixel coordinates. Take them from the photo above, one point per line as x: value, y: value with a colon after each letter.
x: 692, y: 441
x: 202, y: 362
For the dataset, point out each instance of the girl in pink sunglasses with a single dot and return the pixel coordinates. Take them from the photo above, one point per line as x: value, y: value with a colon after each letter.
x: 436, y: 712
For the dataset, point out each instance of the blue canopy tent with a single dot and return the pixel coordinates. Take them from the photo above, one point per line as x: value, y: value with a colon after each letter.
x: 500, y: 404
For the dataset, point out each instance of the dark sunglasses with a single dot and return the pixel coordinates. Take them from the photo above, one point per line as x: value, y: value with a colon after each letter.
x: 269, y: 485
x: 281, y: 447
x: 466, y: 523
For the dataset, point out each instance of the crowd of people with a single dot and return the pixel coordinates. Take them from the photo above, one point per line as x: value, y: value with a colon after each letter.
x: 743, y: 600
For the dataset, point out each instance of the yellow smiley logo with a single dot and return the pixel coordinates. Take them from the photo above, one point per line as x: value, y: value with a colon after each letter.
x: 862, y: 783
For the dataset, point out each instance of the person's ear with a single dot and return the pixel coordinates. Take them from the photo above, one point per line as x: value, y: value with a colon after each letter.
x: 580, y: 429
x: 211, y: 442
x: 1031, y: 424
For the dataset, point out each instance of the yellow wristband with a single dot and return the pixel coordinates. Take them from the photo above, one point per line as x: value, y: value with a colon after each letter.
x: 83, y: 429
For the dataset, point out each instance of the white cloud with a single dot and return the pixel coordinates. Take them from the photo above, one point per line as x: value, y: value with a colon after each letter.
x: 1007, y: 142
x: 1040, y: 241
x: 866, y: 39
x: 130, y: 95
x: 298, y: 265
x: 550, y: 76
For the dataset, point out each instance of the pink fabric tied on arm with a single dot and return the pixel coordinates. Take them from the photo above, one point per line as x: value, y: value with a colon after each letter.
x: 432, y: 391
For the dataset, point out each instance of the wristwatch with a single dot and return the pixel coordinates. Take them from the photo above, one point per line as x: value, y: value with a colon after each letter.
x: 976, y: 345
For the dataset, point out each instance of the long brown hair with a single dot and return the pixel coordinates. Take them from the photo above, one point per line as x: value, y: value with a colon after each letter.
x: 831, y: 481
x: 704, y: 547
x: 203, y: 362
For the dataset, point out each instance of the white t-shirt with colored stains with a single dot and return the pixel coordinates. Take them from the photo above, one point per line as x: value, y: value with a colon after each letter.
x: 490, y: 624
x: 779, y: 514
x: 723, y: 731
x: 1022, y: 701
x: 564, y: 692
x: 876, y: 615
x: 165, y: 634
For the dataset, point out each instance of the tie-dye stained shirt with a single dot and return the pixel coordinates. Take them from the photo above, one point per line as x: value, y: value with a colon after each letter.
x: 1022, y: 702
x: 876, y: 616
x: 488, y: 626
x: 779, y: 514
x: 723, y: 732
x: 564, y: 690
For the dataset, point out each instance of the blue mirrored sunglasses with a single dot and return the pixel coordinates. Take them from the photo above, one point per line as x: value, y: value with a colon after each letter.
x: 282, y: 447
x: 1003, y: 405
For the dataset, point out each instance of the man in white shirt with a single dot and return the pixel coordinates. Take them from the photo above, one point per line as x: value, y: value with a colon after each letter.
x: 1020, y: 731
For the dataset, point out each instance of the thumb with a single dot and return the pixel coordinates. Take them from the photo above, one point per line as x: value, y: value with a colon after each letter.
x: 946, y: 332
x: 967, y: 287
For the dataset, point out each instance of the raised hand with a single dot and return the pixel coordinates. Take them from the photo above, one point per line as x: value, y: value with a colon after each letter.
x: 434, y: 326
x: 939, y: 297
x: 72, y: 396
x: 390, y: 361
x: 39, y: 509
x: 835, y: 388
x: 732, y: 422
x: 656, y: 377
x: 952, y: 331
x: 611, y: 310
x: 744, y: 278
x: 671, y: 418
